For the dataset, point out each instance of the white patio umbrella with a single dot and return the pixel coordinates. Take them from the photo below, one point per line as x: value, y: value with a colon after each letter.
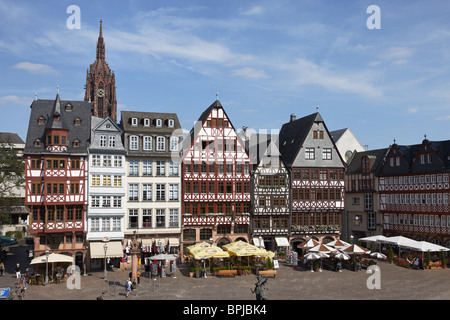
x: 338, y: 244
x: 401, y: 242
x: 308, y: 244
x: 355, y: 249
x: 312, y: 256
x: 322, y: 248
x: 378, y: 255
x: 342, y: 256
x: 52, y: 257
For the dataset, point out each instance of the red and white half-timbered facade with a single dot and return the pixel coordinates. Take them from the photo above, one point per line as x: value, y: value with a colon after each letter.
x: 414, y: 191
x: 216, y: 181
x: 56, y: 175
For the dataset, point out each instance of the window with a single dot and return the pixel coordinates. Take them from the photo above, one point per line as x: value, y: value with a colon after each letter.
x: 173, y: 218
x: 160, y: 168
x: 106, y: 181
x: 134, y: 168
x: 133, y: 192
x: 95, y: 224
x: 173, y: 192
x: 173, y: 144
x: 134, y: 122
x: 368, y: 201
x: 147, y: 167
x: 133, y: 218
x: 117, y: 201
x: 95, y: 181
x: 117, y: 181
x: 171, y: 123
x: 146, y: 192
x: 173, y: 168
x: 116, y: 224
x: 146, y: 122
x: 96, y: 162
x: 160, y: 144
x: 102, y: 141
x: 160, y: 218
x: 106, y: 203
x: 74, y: 188
x: 95, y: 201
x: 158, y: 123
x: 111, y: 141
x: 160, y: 192
x: 146, y: 218
x: 118, y: 161
x: 309, y: 153
x: 133, y: 143
x: 326, y: 153
x: 107, y: 161
x: 147, y: 143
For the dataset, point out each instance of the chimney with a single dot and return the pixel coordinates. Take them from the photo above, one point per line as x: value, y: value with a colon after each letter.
x: 293, y: 117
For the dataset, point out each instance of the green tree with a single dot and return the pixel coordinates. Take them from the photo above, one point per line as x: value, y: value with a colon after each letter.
x: 11, y: 179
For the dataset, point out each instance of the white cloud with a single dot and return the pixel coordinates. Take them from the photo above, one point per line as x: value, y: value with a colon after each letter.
x: 307, y: 72
x: 35, y: 68
x: 412, y: 110
x: 443, y: 118
x: 23, y: 101
x: 255, y: 10
x: 249, y: 73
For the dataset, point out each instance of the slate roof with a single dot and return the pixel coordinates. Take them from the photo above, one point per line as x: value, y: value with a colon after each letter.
x: 45, y: 108
x: 410, y: 163
x: 126, y: 117
x: 376, y: 160
x: 293, y: 134
x: 11, y: 137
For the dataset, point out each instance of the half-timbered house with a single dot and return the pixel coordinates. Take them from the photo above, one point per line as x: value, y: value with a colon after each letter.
x: 414, y: 191
x: 216, y: 181
x: 317, y: 179
x: 55, y: 157
x: 270, y: 218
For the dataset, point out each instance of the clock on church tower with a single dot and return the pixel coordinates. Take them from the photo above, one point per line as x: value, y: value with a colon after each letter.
x: 101, y: 84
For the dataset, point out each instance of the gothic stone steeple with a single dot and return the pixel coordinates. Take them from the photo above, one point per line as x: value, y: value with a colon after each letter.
x: 101, y: 84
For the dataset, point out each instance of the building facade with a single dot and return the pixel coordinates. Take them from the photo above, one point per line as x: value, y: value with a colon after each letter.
x: 270, y: 192
x: 153, y: 174
x: 106, y: 192
x: 55, y: 158
x: 317, y: 179
x: 414, y: 190
x: 362, y: 216
x: 216, y: 181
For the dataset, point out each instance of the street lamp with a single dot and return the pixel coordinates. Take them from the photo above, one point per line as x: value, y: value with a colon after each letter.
x: 105, y: 247
x: 47, y: 252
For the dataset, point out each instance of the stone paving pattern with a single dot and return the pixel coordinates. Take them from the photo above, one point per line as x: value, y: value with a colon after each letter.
x: 396, y: 283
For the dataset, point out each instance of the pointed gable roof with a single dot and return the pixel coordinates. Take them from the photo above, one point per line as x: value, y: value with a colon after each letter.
x: 293, y: 134
x: 56, y: 119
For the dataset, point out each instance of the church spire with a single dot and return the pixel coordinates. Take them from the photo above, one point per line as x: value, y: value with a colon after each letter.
x: 100, y: 45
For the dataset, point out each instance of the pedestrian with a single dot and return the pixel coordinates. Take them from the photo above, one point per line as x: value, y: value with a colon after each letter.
x: 128, y: 287
x: 17, y: 269
x: 102, y: 296
x: 2, y: 269
x: 138, y: 276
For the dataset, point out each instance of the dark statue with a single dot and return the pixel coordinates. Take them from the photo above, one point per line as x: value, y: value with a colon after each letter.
x: 259, y: 289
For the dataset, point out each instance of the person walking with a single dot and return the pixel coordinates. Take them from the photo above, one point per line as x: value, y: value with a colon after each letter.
x: 17, y: 270
x: 2, y: 269
x: 138, y: 277
x: 128, y: 287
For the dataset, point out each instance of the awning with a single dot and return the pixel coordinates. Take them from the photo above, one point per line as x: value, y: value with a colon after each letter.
x: 282, y: 242
x: 258, y: 243
x: 114, y: 249
x: 147, y: 242
x: 174, y: 242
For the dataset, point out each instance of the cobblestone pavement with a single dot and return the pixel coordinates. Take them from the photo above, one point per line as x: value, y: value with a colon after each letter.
x: 396, y: 283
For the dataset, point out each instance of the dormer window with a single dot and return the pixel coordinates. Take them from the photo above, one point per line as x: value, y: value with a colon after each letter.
x: 158, y: 123
x: 146, y: 122
x: 41, y: 120
x: 77, y: 122
x: 69, y: 107
x: 134, y: 122
x: 37, y: 142
x: 171, y: 123
x: 76, y: 143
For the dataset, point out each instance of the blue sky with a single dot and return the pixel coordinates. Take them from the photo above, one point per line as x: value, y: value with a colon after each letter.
x: 266, y: 59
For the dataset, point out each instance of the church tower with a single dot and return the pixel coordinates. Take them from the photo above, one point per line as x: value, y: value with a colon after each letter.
x: 101, y: 84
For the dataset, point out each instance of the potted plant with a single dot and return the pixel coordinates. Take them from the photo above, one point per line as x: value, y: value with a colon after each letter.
x: 427, y: 260
x: 191, y: 269
x: 444, y: 261
x: 391, y: 255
